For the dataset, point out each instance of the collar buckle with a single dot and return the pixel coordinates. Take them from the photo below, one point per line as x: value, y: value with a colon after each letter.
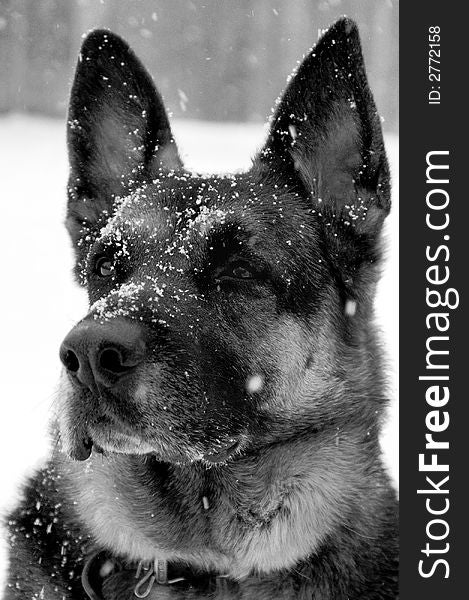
x: 156, y: 571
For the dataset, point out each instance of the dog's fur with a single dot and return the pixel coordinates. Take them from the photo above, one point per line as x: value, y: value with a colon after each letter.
x: 245, y: 443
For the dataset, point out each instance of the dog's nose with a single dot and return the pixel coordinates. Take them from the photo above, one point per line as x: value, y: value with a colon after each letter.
x: 102, y: 353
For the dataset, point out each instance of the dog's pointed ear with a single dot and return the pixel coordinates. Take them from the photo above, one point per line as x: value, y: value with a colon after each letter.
x: 325, y: 139
x: 118, y: 131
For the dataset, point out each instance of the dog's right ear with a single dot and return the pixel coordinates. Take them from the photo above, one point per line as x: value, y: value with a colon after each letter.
x: 118, y: 131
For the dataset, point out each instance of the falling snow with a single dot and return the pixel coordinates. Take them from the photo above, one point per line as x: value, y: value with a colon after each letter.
x: 254, y: 384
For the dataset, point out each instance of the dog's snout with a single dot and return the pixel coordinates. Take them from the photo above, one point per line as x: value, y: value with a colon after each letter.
x: 102, y: 353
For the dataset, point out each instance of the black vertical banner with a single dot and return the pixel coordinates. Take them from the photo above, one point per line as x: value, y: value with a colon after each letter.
x: 434, y: 246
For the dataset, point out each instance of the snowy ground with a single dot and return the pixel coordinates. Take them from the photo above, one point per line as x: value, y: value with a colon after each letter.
x: 39, y: 302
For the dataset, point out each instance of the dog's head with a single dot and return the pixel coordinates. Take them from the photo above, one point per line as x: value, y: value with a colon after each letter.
x: 225, y: 312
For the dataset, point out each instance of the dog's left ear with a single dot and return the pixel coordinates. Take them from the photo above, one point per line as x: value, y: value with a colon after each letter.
x: 325, y: 140
x: 118, y: 131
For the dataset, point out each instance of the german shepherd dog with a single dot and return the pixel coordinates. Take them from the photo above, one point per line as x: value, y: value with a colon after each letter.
x: 221, y: 401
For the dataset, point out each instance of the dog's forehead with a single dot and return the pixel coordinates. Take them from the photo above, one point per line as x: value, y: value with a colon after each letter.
x: 164, y: 219
x: 194, y: 204
x: 177, y: 215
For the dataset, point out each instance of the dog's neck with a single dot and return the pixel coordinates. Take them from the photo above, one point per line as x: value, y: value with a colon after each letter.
x: 261, y: 512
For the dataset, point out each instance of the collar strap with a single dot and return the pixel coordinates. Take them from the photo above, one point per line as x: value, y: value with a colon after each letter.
x: 102, y: 565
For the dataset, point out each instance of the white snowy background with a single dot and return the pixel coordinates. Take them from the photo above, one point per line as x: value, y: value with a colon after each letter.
x: 39, y: 302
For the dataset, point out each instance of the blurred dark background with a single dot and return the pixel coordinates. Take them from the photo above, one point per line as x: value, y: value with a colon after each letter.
x: 223, y: 60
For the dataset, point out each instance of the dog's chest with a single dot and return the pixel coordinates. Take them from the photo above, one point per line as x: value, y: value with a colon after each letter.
x: 234, y: 526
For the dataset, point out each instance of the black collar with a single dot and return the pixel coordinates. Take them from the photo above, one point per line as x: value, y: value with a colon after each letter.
x: 102, y: 570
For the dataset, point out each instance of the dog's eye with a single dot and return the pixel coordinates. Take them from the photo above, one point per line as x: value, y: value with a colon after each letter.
x: 241, y: 272
x: 104, y: 266
x: 237, y: 270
